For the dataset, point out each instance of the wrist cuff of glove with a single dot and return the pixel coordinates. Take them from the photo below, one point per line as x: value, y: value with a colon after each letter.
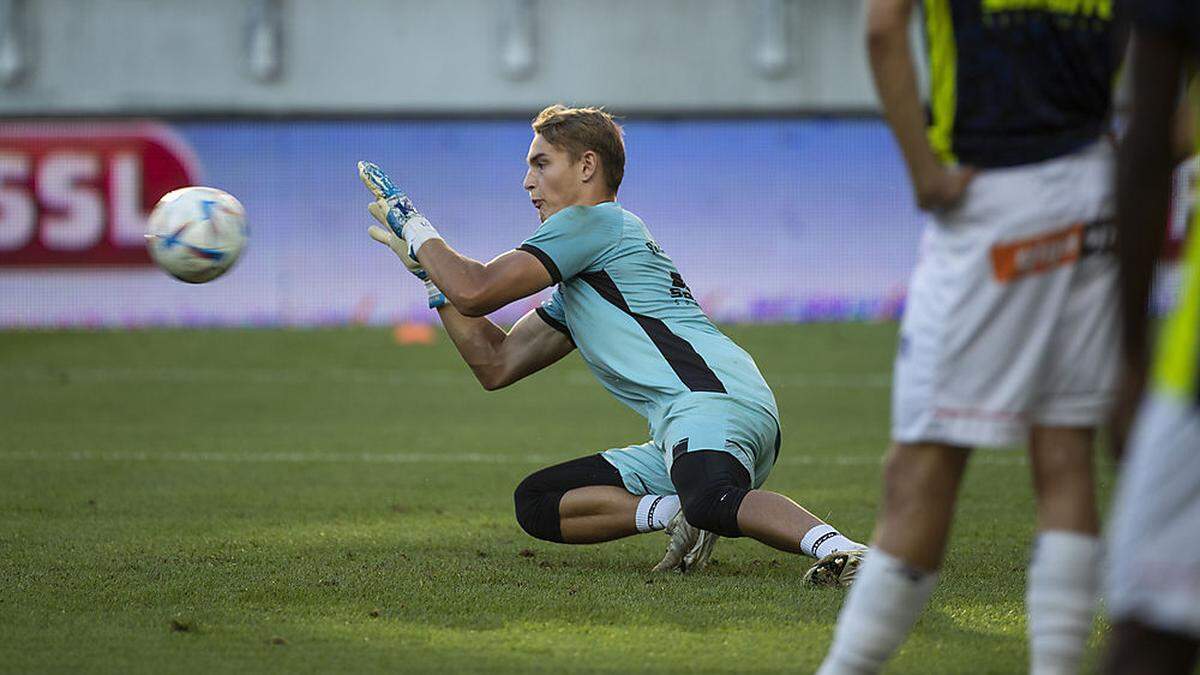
x: 417, y: 231
x: 436, y: 297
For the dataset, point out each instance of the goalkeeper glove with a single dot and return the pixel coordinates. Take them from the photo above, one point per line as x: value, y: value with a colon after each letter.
x: 400, y: 247
x: 402, y: 217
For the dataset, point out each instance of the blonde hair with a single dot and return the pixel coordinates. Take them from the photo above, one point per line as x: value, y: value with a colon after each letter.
x: 577, y: 130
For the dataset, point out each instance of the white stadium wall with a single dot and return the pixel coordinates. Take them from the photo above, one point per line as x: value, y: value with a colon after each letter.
x: 456, y: 56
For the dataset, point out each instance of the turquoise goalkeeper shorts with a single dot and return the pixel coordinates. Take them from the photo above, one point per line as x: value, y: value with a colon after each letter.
x: 701, y: 422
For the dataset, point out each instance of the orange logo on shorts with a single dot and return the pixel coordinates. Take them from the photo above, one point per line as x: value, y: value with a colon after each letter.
x: 1015, y: 259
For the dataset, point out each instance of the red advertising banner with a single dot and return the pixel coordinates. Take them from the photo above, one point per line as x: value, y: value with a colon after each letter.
x: 80, y: 193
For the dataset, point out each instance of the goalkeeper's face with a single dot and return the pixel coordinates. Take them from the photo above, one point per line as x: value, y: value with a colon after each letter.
x: 554, y: 181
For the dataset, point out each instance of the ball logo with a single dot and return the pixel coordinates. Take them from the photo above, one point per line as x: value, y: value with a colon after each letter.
x: 80, y: 193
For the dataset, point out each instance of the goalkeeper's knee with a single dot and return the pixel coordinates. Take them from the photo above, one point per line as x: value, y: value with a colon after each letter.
x: 711, y: 486
x: 537, y: 510
x: 536, y: 498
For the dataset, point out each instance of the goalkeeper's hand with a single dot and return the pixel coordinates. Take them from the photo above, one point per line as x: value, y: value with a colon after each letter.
x: 400, y: 215
x: 400, y: 247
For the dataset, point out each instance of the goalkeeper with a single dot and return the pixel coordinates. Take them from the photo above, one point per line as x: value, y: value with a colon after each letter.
x: 714, y: 429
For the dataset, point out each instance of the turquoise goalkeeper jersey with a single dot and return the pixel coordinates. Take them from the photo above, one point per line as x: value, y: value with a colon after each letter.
x: 634, y: 320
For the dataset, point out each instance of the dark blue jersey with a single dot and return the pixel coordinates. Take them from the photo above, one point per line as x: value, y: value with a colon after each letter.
x: 1176, y: 19
x: 1018, y: 81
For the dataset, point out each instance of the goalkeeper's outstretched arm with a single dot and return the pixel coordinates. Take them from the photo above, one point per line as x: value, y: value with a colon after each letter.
x: 498, y: 358
x: 477, y: 289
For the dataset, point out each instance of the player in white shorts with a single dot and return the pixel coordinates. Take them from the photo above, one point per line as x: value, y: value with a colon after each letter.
x: 1153, y: 581
x: 1009, y: 334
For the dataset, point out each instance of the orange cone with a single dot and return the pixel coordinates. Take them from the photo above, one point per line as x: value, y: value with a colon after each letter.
x: 414, y: 334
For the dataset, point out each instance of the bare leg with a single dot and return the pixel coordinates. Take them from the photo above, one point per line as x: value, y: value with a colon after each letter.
x: 1063, y: 577
x: 920, y: 488
x: 597, y: 513
x: 1063, y: 483
x: 602, y: 513
x: 919, y: 493
x: 775, y: 520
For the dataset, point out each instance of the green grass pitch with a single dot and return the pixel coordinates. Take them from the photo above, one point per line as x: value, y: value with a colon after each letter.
x: 329, y: 501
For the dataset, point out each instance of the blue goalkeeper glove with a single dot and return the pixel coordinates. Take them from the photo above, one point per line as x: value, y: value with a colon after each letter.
x: 402, y: 217
x: 402, y: 250
x: 383, y: 210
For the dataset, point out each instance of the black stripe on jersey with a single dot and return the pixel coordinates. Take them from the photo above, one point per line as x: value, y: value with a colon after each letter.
x: 554, y: 323
x: 680, y: 355
x: 546, y: 261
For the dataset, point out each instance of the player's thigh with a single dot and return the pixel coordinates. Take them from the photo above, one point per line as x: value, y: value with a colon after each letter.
x: 642, y: 467
x: 579, y: 472
x: 1079, y: 376
x: 751, y: 436
x: 1154, y: 571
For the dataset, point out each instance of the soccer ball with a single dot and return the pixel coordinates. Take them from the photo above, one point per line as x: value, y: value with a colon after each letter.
x: 196, y: 233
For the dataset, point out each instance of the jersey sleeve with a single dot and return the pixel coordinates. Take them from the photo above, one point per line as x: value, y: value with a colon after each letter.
x: 572, y: 240
x: 551, y: 311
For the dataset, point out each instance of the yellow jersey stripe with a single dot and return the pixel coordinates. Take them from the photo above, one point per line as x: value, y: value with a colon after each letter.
x: 1178, y: 356
x: 1178, y: 362
x: 943, y: 58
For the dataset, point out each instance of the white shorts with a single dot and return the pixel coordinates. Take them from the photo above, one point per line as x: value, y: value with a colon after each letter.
x: 1154, y: 536
x: 1011, y: 318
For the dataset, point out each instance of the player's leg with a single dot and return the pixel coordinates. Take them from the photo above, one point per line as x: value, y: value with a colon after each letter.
x: 585, y: 501
x: 712, y: 486
x: 721, y: 452
x: 716, y: 495
x: 1073, y: 399
x: 597, y: 513
x: 1063, y: 479
x: 953, y: 389
x: 779, y: 522
x: 714, y: 489
x: 920, y: 488
x: 899, y: 574
x: 1063, y: 577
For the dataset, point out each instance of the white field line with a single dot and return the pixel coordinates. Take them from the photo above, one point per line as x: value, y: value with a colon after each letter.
x: 382, y: 375
x: 214, y: 457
